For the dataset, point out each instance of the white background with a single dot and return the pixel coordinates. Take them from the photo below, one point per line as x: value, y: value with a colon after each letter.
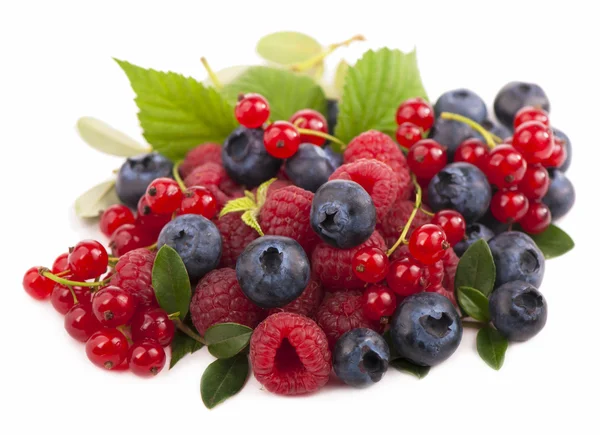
x: 56, y: 66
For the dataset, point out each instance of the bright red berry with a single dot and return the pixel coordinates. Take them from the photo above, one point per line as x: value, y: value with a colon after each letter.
x: 408, y: 134
x: 164, y: 196
x: 426, y: 158
x: 558, y: 156
x: 115, y: 216
x: 282, y: 139
x: 61, y: 263
x: 107, y: 348
x: 312, y: 120
x: 113, y: 306
x: 405, y: 276
x: 530, y: 113
x: 415, y: 110
x: 129, y: 237
x: 88, y: 259
x: 198, y: 200
x: 370, y: 264
x: 453, y: 223
x: 252, y: 110
x: 505, y: 167
x: 37, y: 286
x: 379, y: 301
x: 535, y: 183
x: 62, y: 299
x: 472, y: 151
x: 152, y: 324
x: 146, y: 358
x: 81, y: 323
x: 534, y: 141
x: 151, y: 223
x: 428, y: 243
x: 509, y: 206
x: 537, y: 219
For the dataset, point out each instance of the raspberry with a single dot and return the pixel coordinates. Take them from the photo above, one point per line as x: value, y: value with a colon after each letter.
x: 235, y: 235
x: 441, y: 290
x: 340, y: 312
x: 218, y: 298
x: 376, y: 178
x: 308, y: 302
x: 289, y: 354
x: 214, y: 178
x: 133, y: 273
x: 392, y: 224
x: 205, y: 153
x: 450, y: 261
x: 286, y: 212
x: 333, y: 266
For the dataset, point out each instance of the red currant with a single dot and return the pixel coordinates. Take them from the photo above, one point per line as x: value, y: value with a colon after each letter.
x: 535, y: 183
x: 107, y: 348
x: 312, y: 120
x: 62, y: 299
x: 530, y: 113
x: 370, y: 264
x: 378, y: 302
x: 113, y: 306
x: 198, y: 200
x: 88, y: 259
x: 405, y: 276
x: 415, y: 110
x: 534, y: 141
x: 152, y: 324
x: 151, y: 222
x: 129, y: 237
x: 472, y: 151
x: 428, y: 243
x: 81, y: 323
x: 164, y: 196
x: 408, y: 134
x: 537, y: 219
x: 61, y: 263
x: 115, y: 216
x: 252, y: 110
x: 453, y: 223
x: 37, y: 286
x: 282, y: 139
x: 509, y: 206
x: 505, y: 166
x: 146, y: 358
x: 433, y: 275
x: 426, y: 158
x: 558, y: 156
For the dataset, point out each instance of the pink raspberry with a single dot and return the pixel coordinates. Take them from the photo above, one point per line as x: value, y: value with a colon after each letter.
x: 450, y: 261
x: 236, y: 235
x: 289, y: 354
x: 214, y: 178
x: 333, y: 266
x: 205, y: 153
x: 308, y: 302
x: 133, y: 273
x: 392, y: 224
x: 218, y: 298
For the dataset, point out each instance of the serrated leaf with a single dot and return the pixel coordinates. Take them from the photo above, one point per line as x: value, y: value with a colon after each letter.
x: 553, y: 242
x: 340, y: 76
x: 239, y: 204
x: 286, y: 48
x: 405, y: 366
x: 171, y: 282
x: 227, y: 75
x: 176, y: 112
x: 181, y: 346
x: 225, y: 340
x: 103, y: 137
x: 474, y: 303
x: 476, y: 268
x: 261, y: 192
x: 286, y: 92
x: 250, y: 218
x: 374, y: 88
x: 93, y: 202
x: 491, y: 346
x: 223, y: 378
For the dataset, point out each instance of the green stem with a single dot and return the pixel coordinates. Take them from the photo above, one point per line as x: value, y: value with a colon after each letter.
x: 75, y: 301
x: 63, y: 273
x: 316, y: 60
x: 211, y: 74
x: 427, y: 212
x: 177, y: 176
x: 67, y: 282
x: 475, y: 126
x: 188, y: 331
x: 416, y: 208
x: 329, y: 137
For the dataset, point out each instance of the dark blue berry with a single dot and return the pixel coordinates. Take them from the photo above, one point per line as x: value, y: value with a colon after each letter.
x: 474, y: 233
x: 332, y: 115
x: 361, y: 357
x: 463, y: 102
x: 494, y: 224
x: 498, y: 129
x: 517, y: 258
x: 426, y: 329
x: 310, y: 167
x: 518, y: 310
x: 137, y: 173
x: 559, y: 134
x: 561, y: 194
x: 337, y: 159
x: 273, y: 271
x: 451, y: 134
x: 245, y: 158
x: 343, y: 214
x: 461, y: 187
x: 516, y: 95
x: 197, y: 241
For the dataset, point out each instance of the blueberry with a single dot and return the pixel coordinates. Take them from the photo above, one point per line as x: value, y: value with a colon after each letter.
x: 558, y: 134
x: 518, y: 310
x: 137, y: 173
x: 197, y: 241
x: 461, y: 187
x: 463, y: 102
x: 517, y: 258
x: 361, y: 357
x: 310, y: 167
x: 337, y: 159
x: 332, y: 115
x: 494, y: 224
x: 474, y: 233
x: 561, y: 194
x: 426, y: 329
x: 451, y: 134
x: 273, y: 271
x: 516, y: 95
x: 245, y: 158
x: 342, y: 214
x: 498, y: 129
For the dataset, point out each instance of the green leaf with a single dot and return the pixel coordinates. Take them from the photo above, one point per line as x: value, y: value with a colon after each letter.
x: 474, y: 303
x: 171, y: 282
x: 405, y: 366
x: 491, y: 347
x: 286, y: 92
x: 286, y: 48
x: 103, y: 137
x: 225, y: 340
x: 553, y: 242
x: 176, y: 112
x: 224, y: 378
x: 374, y: 88
x: 387, y: 336
x: 93, y: 202
x: 181, y: 346
x: 476, y: 268
x: 340, y: 75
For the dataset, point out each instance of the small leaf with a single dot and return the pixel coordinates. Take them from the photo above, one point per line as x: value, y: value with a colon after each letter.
x: 405, y: 366
x: 223, y: 378
x: 340, y: 75
x: 491, y: 346
x: 476, y: 268
x: 239, y: 204
x: 181, y: 346
x: 474, y: 303
x: 250, y: 218
x: 227, y: 75
x: 225, y: 340
x: 92, y: 203
x: 553, y: 242
x: 171, y: 282
x: 286, y: 48
x: 261, y: 192
x: 103, y: 137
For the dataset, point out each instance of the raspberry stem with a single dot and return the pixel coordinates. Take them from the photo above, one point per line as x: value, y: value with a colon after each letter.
x: 329, y: 137
x: 211, y: 74
x: 490, y: 138
x: 177, y: 177
x: 188, y: 331
x: 67, y: 282
x: 316, y: 60
x: 418, y: 196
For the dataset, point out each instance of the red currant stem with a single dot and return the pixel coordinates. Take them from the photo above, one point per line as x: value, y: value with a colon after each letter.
x: 174, y: 315
x: 406, y: 150
x: 329, y: 137
x: 478, y: 128
x: 75, y: 301
x: 63, y: 273
x: 428, y: 213
x: 299, y: 121
x: 211, y: 74
x: 152, y: 247
x: 316, y: 60
x: 123, y: 330
x: 416, y: 208
x: 177, y: 177
x: 188, y: 331
x: 46, y: 273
